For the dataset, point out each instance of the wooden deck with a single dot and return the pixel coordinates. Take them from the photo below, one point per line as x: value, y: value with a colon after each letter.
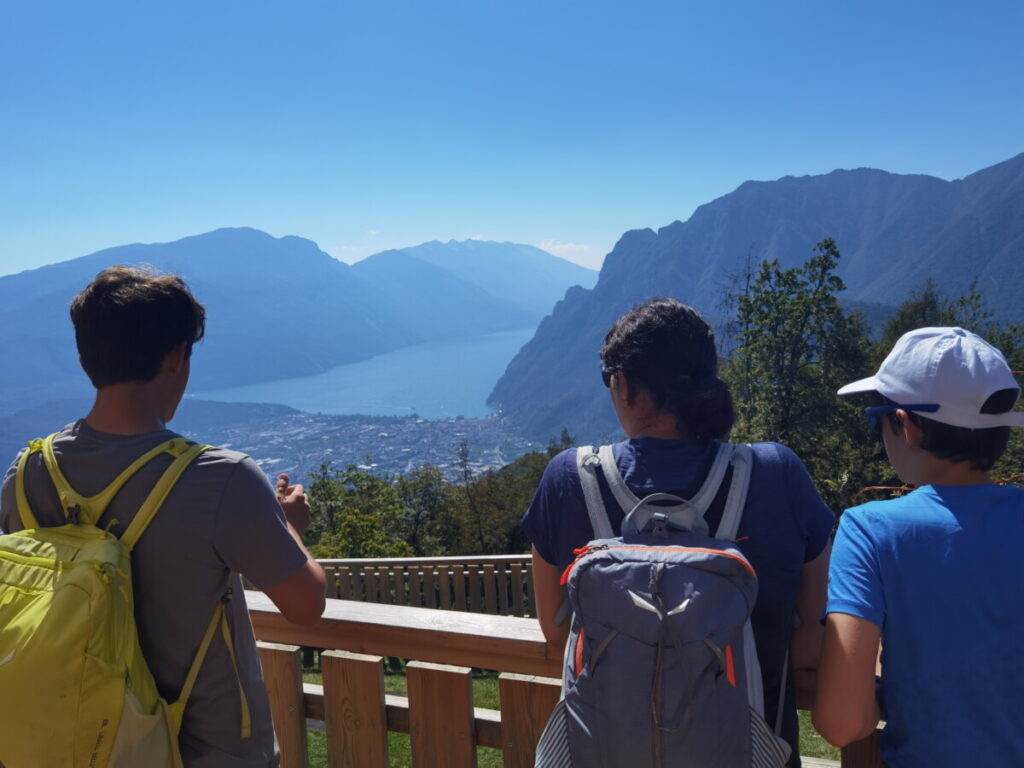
x: 438, y: 713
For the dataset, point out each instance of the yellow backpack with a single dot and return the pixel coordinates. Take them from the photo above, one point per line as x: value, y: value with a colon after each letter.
x: 74, y: 687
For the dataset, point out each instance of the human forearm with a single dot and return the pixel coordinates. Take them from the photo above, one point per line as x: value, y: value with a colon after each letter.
x: 549, y: 596
x: 845, y: 707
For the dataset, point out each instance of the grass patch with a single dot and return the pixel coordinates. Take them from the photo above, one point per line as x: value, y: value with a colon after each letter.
x: 811, y: 742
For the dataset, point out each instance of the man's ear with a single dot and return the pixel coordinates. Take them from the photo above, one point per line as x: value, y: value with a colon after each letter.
x: 175, y: 360
x: 911, y: 432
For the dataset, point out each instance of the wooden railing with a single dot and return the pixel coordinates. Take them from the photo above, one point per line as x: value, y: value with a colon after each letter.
x: 438, y: 713
x: 497, y: 584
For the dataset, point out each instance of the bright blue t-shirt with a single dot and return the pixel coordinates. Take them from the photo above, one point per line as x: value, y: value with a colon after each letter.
x: 785, y: 524
x: 940, y: 570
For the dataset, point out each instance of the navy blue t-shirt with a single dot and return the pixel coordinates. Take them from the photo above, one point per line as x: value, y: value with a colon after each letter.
x: 785, y: 524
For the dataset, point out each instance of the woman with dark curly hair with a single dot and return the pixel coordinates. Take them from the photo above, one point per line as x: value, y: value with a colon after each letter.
x: 660, y: 364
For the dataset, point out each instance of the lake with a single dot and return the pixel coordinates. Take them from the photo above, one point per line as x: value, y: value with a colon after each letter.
x: 436, y: 380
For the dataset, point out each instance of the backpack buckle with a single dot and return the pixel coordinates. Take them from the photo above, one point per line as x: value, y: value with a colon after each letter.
x: 660, y: 520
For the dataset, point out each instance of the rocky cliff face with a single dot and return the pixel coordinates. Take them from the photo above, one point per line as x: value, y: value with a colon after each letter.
x: 894, y: 232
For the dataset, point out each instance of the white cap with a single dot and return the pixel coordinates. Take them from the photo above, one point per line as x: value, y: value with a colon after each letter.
x: 949, y: 367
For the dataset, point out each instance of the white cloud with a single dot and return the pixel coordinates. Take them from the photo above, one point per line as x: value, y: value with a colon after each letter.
x: 372, y: 232
x: 477, y: 237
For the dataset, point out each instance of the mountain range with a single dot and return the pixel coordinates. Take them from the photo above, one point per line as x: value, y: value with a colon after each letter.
x: 894, y: 232
x: 280, y: 307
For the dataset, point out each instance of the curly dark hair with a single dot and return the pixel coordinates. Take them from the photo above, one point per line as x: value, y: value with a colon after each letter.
x: 128, y: 319
x: 666, y: 347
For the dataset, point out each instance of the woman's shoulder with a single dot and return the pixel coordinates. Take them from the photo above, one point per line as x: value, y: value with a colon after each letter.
x: 776, y: 456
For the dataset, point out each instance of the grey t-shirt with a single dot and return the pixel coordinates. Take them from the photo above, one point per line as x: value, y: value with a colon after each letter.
x: 222, y: 517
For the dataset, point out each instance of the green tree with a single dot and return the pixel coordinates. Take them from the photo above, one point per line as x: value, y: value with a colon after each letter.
x: 428, y: 500
x: 490, y: 505
x: 926, y: 307
x: 795, y: 348
x: 355, y: 514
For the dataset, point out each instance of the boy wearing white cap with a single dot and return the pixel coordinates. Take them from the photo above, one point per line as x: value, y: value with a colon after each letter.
x: 934, y: 575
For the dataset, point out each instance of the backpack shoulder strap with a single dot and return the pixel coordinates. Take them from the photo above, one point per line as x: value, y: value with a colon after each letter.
x: 90, y: 509
x: 741, y: 459
x: 185, y: 453
x: 706, y: 495
x: 700, y: 501
x: 176, y: 711
x: 625, y: 497
x: 587, y: 462
x: 28, y: 520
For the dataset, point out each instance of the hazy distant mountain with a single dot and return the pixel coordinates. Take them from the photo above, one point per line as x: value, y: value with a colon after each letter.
x: 894, y: 232
x: 414, y: 288
x: 277, y: 308
x: 522, y: 275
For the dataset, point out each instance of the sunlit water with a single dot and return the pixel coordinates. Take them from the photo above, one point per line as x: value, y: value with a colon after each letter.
x: 436, y: 380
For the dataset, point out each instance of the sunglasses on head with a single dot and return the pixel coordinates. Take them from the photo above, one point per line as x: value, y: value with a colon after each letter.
x: 607, y: 371
x: 875, y: 411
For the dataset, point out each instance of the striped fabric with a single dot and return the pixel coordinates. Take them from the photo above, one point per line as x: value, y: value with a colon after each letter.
x: 553, y: 748
x: 766, y: 750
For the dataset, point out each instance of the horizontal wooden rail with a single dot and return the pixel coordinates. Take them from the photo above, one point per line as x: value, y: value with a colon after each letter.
x: 503, y: 643
x: 443, y: 644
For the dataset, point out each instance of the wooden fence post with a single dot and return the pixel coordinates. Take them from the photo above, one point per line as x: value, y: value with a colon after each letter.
x: 531, y: 607
x: 473, y: 580
x: 501, y: 578
x: 441, y: 715
x: 282, y: 675
x: 490, y: 591
x: 460, y: 587
x: 526, y: 705
x: 354, y: 711
x: 444, y: 586
x: 517, y: 590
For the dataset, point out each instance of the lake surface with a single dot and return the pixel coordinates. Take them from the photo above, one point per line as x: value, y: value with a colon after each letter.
x: 436, y: 380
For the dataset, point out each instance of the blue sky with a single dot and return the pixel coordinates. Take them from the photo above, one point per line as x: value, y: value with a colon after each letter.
x: 373, y: 125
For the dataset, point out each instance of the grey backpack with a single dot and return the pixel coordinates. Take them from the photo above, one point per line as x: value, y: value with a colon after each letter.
x: 660, y: 667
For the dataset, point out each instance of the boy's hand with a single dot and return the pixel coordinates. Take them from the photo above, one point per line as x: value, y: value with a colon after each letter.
x: 294, y: 503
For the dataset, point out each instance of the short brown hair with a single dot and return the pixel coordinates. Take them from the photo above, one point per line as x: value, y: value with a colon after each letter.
x: 128, y: 319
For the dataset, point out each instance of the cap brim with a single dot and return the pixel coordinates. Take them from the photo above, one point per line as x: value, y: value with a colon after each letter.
x: 870, y: 384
